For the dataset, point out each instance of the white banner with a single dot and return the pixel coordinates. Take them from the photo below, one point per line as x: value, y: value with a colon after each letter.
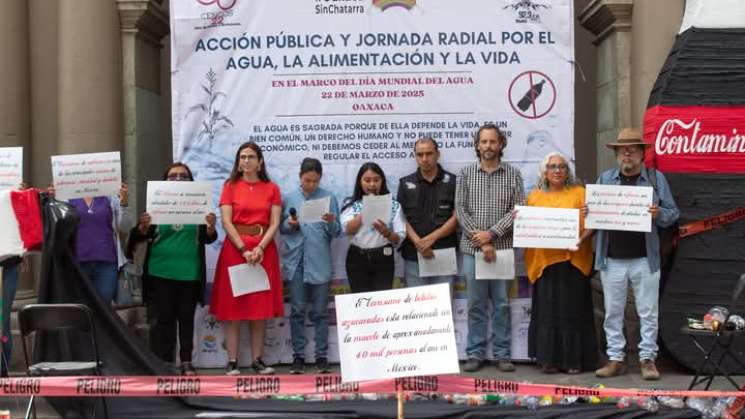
x: 615, y: 207
x: 171, y: 202
x: 546, y: 228
x: 83, y: 175
x: 11, y: 167
x: 355, y: 81
x: 397, y: 333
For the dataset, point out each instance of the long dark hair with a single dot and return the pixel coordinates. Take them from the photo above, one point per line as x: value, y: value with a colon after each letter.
x: 357, y: 195
x: 177, y: 164
x: 236, y: 174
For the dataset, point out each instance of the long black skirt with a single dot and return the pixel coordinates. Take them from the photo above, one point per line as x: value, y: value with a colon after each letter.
x: 562, y: 329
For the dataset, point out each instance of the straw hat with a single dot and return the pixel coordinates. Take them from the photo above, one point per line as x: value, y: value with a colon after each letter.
x: 628, y: 136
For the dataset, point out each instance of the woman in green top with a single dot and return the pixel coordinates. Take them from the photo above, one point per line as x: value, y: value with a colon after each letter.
x: 174, y: 276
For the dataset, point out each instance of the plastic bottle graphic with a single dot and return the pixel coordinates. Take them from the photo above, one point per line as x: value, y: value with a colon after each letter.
x: 531, y: 95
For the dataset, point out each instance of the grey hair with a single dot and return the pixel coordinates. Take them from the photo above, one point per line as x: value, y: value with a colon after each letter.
x: 543, y: 171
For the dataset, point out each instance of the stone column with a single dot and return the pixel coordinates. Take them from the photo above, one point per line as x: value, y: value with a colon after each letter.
x: 90, y: 104
x: 14, y: 77
x: 143, y: 25
x: 655, y: 25
x: 610, y: 22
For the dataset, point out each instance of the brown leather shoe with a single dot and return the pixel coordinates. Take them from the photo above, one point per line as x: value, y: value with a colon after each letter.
x: 649, y: 370
x: 611, y: 369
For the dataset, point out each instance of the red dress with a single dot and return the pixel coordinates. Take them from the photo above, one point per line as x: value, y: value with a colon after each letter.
x: 252, y: 204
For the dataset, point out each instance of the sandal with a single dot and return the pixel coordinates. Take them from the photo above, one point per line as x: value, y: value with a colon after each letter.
x: 188, y: 369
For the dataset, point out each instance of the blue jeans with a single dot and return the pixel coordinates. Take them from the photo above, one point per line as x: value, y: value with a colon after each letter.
x: 318, y: 297
x: 411, y: 274
x: 10, y: 283
x: 103, y: 276
x: 479, y: 294
x: 616, y: 276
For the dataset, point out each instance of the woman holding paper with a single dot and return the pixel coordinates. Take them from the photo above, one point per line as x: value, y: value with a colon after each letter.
x: 99, y: 252
x: 306, y: 260
x: 370, y: 257
x: 174, y: 276
x: 562, y: 331
x: 251, y: 207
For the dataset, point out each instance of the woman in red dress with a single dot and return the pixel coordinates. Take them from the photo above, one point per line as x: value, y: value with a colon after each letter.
x: 251, y: 206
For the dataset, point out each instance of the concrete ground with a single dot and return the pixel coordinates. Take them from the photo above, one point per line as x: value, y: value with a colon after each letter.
x: 673, y: 378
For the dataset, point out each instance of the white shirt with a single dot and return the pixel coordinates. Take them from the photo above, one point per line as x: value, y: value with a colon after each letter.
x: 367, y: 236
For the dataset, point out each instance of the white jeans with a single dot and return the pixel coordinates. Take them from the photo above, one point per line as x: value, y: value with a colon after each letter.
x: 616, y: 276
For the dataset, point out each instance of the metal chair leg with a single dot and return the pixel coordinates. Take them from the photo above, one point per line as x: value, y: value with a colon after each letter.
x: 31, y: 408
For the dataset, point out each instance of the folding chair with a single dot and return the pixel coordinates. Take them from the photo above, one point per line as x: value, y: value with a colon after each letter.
x: 720, y: 347
x: 74, y: 324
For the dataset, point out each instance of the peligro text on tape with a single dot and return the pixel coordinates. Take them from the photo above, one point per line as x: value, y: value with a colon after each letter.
x: 246, y: 385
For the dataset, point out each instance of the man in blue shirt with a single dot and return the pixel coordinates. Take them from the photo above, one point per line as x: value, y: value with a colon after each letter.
x: 306, y: 263
x: 626, y: 257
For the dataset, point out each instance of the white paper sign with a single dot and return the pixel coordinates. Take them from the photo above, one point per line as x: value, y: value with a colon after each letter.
x: 397, y: 333
x: 445, y: 262
x: 616, y: 207
x: 313, y: 210
x: 502, y: 268
x: 245, y: 279
x: 11, y: 167
x: 546, y: 228
x: 82, y: 175
x: 376, y: 207
x: 179, y: 202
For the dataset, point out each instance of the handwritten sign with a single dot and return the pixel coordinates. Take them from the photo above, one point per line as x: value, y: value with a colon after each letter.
x: 81, y: 175
x: 616, y: 207
x: 546, y: 228
x: 11, y: 167
x: 178, y: 202
x: 397, y: 333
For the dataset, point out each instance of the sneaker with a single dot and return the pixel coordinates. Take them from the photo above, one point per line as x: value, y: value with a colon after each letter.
x: 298, y: 366
x: 261, y: 368
x: 232, y: 368
x: 611, y: 369
x: 322, y: 365
x: 473, y: 365
x: 505, y: 365
x: 188, y: 369
x: 649, y: 370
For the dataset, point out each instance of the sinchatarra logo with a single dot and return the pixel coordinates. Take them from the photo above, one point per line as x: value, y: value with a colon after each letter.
x: 222, y: 4
x: 216, y: 17
x: 527, y: 10
x: 386, y: 4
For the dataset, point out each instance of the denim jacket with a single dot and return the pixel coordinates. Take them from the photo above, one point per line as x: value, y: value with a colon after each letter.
x: 310, y: 245
x: 667, y: 215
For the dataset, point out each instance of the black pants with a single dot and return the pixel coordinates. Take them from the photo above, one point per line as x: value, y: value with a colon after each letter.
x: 169, y: 302
x: 370, y: 269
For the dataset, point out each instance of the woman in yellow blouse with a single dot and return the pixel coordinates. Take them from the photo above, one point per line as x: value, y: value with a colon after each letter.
x: 561, y: 336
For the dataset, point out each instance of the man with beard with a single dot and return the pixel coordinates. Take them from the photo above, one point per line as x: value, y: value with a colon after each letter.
x: 628, y: 257
x: 485, y: 196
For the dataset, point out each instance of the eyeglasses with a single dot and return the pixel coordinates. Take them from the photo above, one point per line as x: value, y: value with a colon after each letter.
x: 178, y: 176
x: 557, y: 167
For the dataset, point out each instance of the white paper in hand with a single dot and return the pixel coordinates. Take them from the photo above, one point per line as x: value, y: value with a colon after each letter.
x: 444, y: 263
x: 312, y: 211
x: 245, y: 279
x: 376, y: 207
x: 502, y: 268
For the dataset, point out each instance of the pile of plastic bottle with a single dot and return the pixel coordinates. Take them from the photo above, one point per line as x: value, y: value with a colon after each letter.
x: 710, y: 408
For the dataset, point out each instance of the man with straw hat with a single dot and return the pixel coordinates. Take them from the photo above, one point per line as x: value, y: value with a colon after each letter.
x: 628, y: 257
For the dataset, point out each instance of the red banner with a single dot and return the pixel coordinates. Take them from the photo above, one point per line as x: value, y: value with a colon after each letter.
x: 253, y: 386
x: 695, y: 139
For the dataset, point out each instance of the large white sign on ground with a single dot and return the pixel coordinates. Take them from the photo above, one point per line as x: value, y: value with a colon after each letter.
x: 396, y: 333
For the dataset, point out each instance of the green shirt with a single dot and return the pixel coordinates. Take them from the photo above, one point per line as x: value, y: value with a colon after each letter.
x: 174, y: 253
